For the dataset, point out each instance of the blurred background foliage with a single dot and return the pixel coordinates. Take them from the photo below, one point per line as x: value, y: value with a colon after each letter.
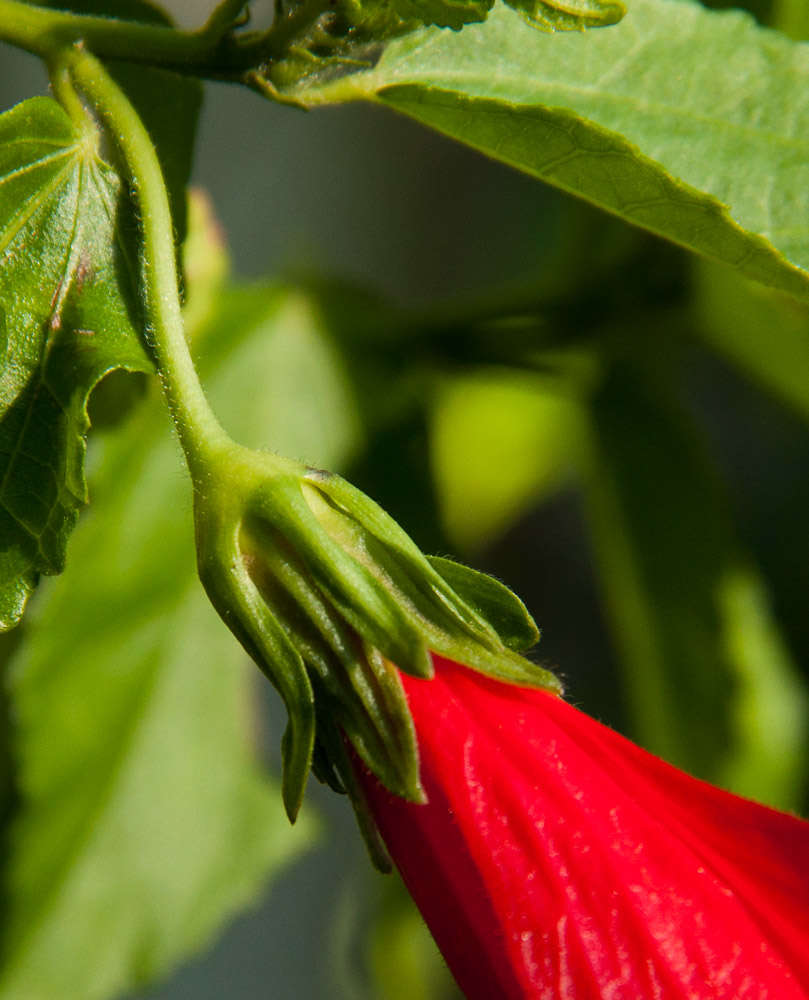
x: 616, y: 429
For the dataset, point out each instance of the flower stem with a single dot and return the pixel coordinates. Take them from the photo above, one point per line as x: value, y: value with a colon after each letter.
x: 200, y: 433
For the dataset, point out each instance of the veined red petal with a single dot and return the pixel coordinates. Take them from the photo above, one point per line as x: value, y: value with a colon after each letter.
x: 555, y: 859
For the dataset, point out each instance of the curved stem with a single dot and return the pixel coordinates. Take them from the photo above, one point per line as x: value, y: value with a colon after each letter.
x: 65, y: 93
x: 44, y: 31
x: 200, y: 433
x: 210, y: 51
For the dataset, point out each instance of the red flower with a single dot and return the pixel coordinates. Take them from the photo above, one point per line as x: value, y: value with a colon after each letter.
x: 556, y: 859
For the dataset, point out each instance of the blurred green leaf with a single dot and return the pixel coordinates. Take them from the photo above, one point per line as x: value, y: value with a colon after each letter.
x: 792, y: 17
x: 761, y: 331
x: 143, y: 822
x: 703, y: 662
x: 404, y: 960
x: 689, y: 123
x: 63, y: 325
x: 284, y: 386
x: 502, y: 441
x: 770, y: 710
x: 206, y: 263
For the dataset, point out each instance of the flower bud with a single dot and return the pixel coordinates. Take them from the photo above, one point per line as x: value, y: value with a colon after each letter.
x: 556, y: 859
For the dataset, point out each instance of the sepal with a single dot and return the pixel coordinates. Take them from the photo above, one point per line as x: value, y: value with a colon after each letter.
x: 224, y: 574
x: 353, y: 683
x: 493, y: 601
x: 342, y: 764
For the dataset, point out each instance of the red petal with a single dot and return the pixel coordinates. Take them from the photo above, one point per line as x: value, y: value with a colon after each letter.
x: 556, y: 859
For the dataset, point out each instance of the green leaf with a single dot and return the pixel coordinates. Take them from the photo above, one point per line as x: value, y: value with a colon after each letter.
x: 143, y: 822
x: 686, y: 609
x: 206, y: 263
x: 792, y: 17
x: 770, y: 708
x: 278, y: 348
x: 69, y: 313
x: 68, y: 317
x: 692, y: 124
x: 402, y: 956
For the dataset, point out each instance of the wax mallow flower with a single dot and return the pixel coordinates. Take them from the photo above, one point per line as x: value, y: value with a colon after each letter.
x: 555, y: 859
x: 551, y: 857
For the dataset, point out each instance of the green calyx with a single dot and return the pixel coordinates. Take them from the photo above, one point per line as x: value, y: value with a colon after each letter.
x: 329, y: 596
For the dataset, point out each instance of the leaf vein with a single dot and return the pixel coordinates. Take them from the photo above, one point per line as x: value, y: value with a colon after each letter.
x: 31, y: 207
x: 33, y: 165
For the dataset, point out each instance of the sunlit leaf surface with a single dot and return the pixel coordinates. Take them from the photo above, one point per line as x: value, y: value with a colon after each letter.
x: 673, y: 119
x: 68, y: 315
